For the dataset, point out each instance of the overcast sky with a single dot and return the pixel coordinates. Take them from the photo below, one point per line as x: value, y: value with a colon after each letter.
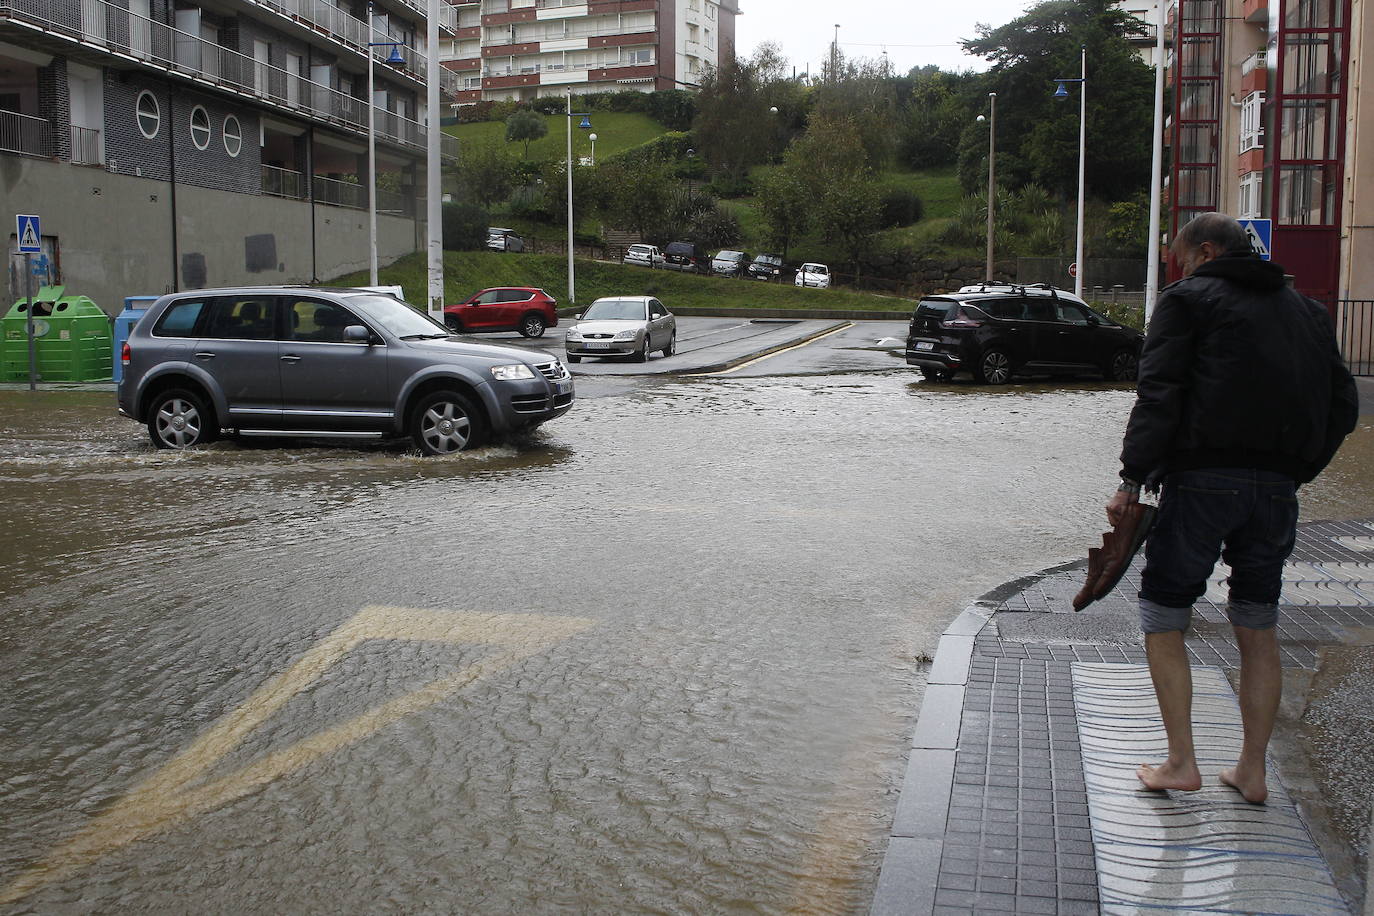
x: 914, y: 32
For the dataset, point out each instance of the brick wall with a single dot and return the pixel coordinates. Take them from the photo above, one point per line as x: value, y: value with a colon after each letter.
x: 54, y: 103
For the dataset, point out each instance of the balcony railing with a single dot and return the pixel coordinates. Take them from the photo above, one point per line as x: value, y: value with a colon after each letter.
x: 1256, y: 61
x: 159, y: 45
x: 85, y: 146
x: 25, y: 135
x: 279, y: 182
x: 340, y: 193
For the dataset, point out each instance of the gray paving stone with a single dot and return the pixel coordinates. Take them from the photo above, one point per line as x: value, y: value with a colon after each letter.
x: 923, y: 806
x: 952, y: 660
x: 938, y: 726
x: 906, y: 885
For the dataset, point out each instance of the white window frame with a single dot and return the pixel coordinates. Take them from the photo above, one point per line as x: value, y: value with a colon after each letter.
x: 641, y: 56
x: 1251, y: 203
x: 235, y: 133
x: 209, y: 130
x: 156, y: 114
x: 1252, y: 122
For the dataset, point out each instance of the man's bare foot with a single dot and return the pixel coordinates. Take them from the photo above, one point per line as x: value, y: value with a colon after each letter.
x: 1166, y: 776
x: 1253, y: 790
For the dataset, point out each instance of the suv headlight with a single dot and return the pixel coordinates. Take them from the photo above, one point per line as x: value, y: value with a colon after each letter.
x: 511, y: 373
x: 627, y: 335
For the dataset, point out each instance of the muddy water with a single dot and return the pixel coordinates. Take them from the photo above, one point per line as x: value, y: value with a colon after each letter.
x: 661, y: 657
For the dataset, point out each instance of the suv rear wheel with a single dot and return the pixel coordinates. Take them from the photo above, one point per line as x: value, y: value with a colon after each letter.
x: 446, y: 422
x: 993, y: 368
x: 178, y: 418
x: 1124, y: 367
x: 453, y: 324
x: 532, y: 325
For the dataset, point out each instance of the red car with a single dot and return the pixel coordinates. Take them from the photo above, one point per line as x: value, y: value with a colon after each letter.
x: 504, y: 308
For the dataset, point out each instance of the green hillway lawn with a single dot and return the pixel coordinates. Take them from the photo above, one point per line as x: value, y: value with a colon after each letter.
x: 615, y: 133
x: 466, y: 272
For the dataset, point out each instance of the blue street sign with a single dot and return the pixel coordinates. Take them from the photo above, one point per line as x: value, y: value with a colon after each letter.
x: 30, y: 237
x: 1260, y: 232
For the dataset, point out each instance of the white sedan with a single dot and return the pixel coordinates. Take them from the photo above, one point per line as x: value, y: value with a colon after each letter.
x: 643, y: 256
x: 622, y: 326
x: 816, y: 275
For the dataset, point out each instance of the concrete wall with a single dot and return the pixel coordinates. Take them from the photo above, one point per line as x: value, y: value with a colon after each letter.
x: 114, y: 233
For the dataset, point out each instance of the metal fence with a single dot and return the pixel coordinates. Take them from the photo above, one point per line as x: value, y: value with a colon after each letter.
x: 279, y: 182
x: 340, y: 193
x: 1355, y: 334
x: 85, y: 146
x: 23, y: 134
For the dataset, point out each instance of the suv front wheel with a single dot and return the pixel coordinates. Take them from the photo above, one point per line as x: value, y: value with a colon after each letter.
x: 179, y: 419
x: 993, y: 368
x: 532, y: 325
x: 446, y: 422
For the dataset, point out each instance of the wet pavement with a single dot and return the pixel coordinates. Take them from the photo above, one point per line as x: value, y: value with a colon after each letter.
x: 662, y: 656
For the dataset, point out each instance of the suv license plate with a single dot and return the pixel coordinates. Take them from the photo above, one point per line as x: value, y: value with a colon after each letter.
x: 562, y: 387
x: 925, y: 345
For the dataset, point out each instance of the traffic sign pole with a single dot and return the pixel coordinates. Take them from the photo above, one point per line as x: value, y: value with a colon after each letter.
x: 28, y: 281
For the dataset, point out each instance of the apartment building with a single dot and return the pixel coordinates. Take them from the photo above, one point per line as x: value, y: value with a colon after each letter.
x: 1269, y: 121
x: 1145, y: 41
x: 171, y: 144
x: 526, y: 49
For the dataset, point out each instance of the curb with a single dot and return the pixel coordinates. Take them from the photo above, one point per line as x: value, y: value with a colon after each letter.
x: 911, y: 865
x: 732, y: 362
x: 900, y: 315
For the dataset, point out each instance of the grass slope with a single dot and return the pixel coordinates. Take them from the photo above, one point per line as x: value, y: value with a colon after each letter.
x: 466, y: 272
x: 615, y: 133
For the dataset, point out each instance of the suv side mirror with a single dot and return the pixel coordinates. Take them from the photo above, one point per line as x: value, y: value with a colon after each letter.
x: 1093, y: 322
x: 358, y: 332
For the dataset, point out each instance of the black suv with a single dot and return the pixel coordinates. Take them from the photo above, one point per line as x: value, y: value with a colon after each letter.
x: 765, y: 267
x: 998, y: 332
x: 686, y: 256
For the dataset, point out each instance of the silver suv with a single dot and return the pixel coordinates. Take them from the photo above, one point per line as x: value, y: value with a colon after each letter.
x: 297, y: 361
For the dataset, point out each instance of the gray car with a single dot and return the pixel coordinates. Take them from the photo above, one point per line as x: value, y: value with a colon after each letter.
x: 289, y: 361
x: 622, y: 326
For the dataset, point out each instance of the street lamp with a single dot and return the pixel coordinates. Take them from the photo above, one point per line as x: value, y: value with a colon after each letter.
x: 585, y: 125
x: 394, y: 59
x: 1156, y: 170
x: 1061, y: 93
x: 992, y: 174
x: 592, y: 137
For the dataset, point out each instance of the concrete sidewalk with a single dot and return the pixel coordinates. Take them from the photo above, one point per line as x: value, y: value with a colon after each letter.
x: 1020, y: 794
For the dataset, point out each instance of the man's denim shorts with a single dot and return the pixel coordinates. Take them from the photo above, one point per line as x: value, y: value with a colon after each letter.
x: 1247, y: 517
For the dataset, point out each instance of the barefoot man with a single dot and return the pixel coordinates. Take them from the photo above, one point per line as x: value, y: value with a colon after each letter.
x: 1242, y: 396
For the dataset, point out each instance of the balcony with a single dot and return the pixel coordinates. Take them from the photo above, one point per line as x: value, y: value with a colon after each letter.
x: 115, y: 29
x: 86, y: 146
x: 1256, y: 12
x: 283, y: 182
x: 25, y: 135
x: 343, y: 26
x: 340, y: 193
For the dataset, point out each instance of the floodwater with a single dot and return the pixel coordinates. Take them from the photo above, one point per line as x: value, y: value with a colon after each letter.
x: 662, y: 656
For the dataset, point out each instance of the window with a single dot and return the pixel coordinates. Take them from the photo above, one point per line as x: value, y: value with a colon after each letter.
x: 1010, y: 309
x: 693, y: 32
x: 179, y: 320
x: 149, y: 114
x: 252, y: 318
x: 320, y: 321
x: 641, y: 56
x: 1252, y: 122
x: 1072, y: 313
x: 233, y: 136
x: 710, y: 40
x: 710, y: 10
x: 1039, y: 310
x: 656, y: 309
x: 1251, y: 199
x: 200, y: 127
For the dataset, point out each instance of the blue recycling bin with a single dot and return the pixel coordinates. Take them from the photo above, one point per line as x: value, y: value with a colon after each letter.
x: 134, y: 307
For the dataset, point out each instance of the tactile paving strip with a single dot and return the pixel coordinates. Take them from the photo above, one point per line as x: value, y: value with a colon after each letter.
x: 1202, y: 852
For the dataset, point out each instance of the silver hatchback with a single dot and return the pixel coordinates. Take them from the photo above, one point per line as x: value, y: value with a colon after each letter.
x: 288, y: 361
x: 622, y: 326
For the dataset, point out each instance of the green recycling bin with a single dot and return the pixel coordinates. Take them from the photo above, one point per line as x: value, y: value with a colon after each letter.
x: 72, y: 339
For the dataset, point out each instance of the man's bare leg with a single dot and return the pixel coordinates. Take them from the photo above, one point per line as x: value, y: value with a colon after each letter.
x: 1261, y: 686
x: 1173, y: 680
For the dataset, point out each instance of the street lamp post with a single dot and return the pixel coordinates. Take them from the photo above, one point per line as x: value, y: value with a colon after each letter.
x: 592, y: 137
x: 992, y: 176
x: 434, y: 183
x: 394, y: 59
x: 1156, y: 170
x: 1062, y: 93
x: 586, y: 124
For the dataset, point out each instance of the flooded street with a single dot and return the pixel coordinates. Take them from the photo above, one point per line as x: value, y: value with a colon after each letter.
x: 662, y: 656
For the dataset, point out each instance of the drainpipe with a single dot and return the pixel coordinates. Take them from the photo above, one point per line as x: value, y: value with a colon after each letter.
x: 172, y: 176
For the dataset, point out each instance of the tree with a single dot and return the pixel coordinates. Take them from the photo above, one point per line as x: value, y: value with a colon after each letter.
x: 1028, y: 54
x: 865, y: 92
x: 526, y: 126
x: 786, y: 198
x: 733, y: 123
x: 846, y: 205
x: 485, y: 173
x: 633, y: 193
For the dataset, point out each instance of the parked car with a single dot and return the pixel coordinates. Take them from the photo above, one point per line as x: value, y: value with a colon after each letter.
x: 622, y: 326
x: 643, y: 256
x: 730, y: 263
x: 504, y: 308
x: 504, y: 240
x: 1004, y: 331
x: 686, y: 256
x: 766, y: 267
x: 296, y: 361
x: 812, y: 274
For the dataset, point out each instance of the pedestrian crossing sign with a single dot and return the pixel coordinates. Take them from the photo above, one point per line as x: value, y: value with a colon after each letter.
x: 29, y: 234
x: 1259, y: 232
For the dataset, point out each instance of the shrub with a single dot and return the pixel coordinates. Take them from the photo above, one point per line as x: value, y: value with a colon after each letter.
x: 900, y: 207
x: 727, y: 187
x: 465, y: 227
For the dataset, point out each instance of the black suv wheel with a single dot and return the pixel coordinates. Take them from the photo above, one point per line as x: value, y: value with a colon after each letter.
x: 993, y: 368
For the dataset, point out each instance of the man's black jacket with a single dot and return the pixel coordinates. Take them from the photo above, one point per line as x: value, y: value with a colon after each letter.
x: 1238, y: 371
